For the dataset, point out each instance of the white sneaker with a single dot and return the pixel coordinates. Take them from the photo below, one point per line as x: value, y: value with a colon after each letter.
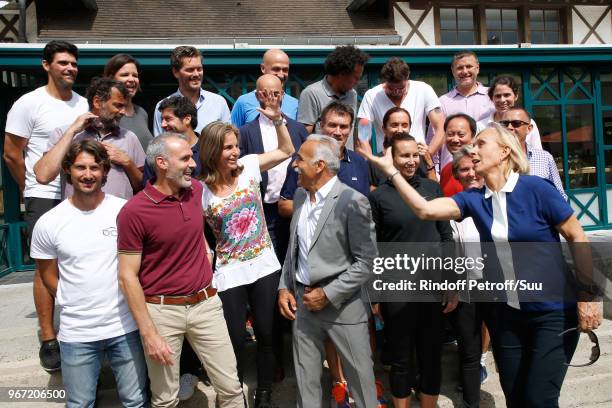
x: 187, y: 384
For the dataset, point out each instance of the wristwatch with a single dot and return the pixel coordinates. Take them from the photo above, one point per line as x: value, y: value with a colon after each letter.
x: 278, y: 122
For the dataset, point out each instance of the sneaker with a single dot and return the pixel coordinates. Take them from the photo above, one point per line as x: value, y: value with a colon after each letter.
x: 49, y: 355
x: 484, y: 376
x: 187, y: 384
x: 340, y: 395
x: 382, y: 402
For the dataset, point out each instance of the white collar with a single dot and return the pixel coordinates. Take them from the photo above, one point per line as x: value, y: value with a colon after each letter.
x: 325, y: 189
x: 507, y: 188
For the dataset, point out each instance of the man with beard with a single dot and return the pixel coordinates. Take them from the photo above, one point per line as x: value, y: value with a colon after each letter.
x: 275, y: 62
x: 28, y: 125
x: 75, y: 247
x: 165, y: 274
x: 107, y: 100
x: 188, y: 70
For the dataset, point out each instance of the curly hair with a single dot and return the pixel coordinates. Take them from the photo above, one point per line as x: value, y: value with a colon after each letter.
x: 344, y: 59
x: 101, y: 88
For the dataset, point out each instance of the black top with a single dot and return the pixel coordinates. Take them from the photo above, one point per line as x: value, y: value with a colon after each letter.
x: 396, y: 222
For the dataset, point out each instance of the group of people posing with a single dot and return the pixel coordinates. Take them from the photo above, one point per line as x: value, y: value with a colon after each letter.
x: 156, y: 245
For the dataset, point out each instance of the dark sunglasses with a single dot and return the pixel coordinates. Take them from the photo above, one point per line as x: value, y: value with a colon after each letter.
x: 515, y: 123
x: 595, y: 350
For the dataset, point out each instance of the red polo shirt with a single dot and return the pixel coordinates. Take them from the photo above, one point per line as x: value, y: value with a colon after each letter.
x: 169, y: 233
x: 450, y: 185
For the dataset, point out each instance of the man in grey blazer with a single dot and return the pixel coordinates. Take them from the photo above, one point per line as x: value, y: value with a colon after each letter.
x: 331, y: 250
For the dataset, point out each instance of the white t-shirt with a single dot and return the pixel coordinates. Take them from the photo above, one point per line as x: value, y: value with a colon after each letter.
x: 419, y: 101
x: 34, y: 116
x: 92, y: 306
x: 244, y: 248
x: 533, y: 138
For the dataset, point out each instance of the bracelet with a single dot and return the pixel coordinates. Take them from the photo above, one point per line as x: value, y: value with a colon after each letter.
x: 390, y: 178
x: 431, y: 168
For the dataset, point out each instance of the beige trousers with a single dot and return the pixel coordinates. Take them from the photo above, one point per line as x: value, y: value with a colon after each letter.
x: 205, y: 328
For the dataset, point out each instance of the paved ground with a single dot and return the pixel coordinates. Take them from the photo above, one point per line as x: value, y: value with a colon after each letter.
x: 19, y: 367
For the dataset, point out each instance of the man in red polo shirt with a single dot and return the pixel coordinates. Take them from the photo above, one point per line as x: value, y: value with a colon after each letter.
x: 165, y: 274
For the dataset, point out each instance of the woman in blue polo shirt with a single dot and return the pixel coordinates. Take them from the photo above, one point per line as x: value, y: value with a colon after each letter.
x: 514, y: 207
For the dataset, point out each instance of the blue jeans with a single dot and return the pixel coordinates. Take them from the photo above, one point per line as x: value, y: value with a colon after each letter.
x: 81, y: 363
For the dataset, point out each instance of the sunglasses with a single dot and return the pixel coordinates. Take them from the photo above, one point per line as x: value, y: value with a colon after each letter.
x: 595, y: 350
x: 515, y: 123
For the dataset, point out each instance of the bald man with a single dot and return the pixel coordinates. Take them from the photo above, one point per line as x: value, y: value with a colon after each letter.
x: 259, y: 136
x: 275, y: 62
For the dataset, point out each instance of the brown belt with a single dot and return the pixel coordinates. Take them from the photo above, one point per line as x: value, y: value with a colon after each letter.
x: 182, y: 300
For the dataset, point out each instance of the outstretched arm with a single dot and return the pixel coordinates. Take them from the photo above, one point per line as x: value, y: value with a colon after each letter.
x: 438, y: 209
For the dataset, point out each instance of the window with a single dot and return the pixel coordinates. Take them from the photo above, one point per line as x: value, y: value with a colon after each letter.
x: 545, y: 26
x: 457, y: 26
x: 502, y: 26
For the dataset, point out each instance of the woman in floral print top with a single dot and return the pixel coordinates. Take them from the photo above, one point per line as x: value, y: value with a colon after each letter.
x: 246, y: 270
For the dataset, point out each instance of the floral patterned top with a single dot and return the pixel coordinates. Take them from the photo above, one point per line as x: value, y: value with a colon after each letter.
x: 244, y: 248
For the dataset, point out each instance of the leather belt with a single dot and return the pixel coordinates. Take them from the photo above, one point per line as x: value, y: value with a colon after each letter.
x: 182, y: 300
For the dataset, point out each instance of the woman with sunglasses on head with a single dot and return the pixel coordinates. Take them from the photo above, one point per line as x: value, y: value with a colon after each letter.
x: 247, y: 271
x: 504, y: 93
x: 126, y: 69
x: 515, y: 207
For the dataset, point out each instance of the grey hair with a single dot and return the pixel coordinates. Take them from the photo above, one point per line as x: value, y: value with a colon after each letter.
x: 465, y: 150
x: 157, y: 147
x: 327, y: 150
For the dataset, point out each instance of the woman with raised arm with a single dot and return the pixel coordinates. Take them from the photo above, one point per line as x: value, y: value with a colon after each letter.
x: 247, y: 271
x: 514, y: 207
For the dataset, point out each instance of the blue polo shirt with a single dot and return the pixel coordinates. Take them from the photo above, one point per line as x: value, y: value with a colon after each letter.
x: 525, y: 210
x: 245, y: 108
x: 353, y: 172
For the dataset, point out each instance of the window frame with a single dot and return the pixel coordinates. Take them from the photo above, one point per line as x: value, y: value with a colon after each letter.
x: 524, y: 27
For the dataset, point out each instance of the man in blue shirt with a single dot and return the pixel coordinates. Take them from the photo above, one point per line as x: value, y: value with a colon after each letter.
x: 188, y: 70
x: 274, y: 62
x: 336, y: 121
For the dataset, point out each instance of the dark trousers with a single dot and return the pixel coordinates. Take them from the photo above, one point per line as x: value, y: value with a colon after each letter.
x: 261, y: 296
x: 529, y: 353
x: 413, y: 329
x: 467, y: 322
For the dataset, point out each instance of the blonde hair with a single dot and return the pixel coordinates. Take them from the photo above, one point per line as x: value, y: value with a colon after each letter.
x: 517, y: 159
x: 211, y: 147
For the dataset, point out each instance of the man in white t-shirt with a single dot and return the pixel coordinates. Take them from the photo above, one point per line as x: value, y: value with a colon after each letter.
x: 29, y: 123
x: 75, y: 248
x: 417, y: 97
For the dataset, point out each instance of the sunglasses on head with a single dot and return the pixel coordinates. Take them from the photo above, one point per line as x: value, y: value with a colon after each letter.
x: 514, y: 123
x: 595, y: 350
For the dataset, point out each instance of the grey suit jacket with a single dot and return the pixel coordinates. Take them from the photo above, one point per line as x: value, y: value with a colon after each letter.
x: 341, y: 253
